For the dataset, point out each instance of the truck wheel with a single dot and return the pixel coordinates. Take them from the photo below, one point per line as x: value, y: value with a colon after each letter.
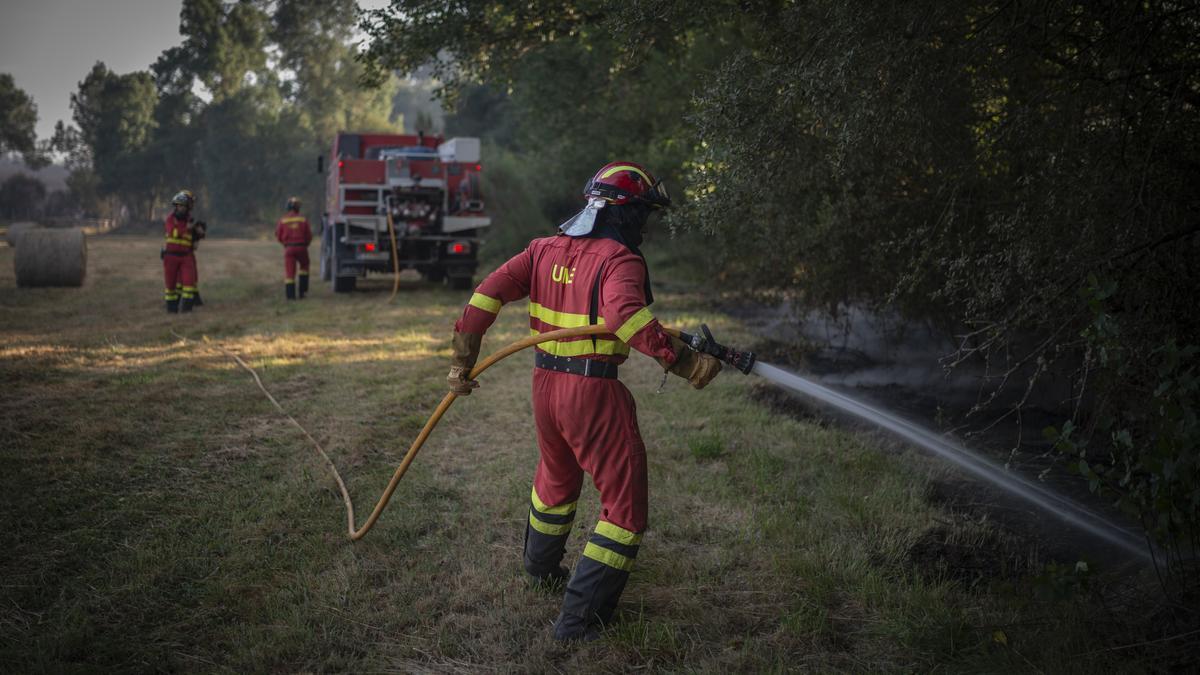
x: 461, y: 283
x: 344, y: 284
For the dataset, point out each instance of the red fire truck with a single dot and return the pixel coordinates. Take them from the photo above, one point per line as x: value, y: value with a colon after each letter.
x: 428, y: 187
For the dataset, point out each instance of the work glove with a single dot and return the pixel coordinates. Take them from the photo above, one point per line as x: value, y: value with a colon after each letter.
x: 697, y: 368
x: 466, y: 351
x: 199, y: 229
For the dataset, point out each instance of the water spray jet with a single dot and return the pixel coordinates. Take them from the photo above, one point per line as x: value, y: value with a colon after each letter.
x: 977, y: 466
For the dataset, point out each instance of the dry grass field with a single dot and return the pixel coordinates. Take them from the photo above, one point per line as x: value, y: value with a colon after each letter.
x: 159, y: 514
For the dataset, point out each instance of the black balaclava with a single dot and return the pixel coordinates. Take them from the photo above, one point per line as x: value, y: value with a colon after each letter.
x: 625, y: 224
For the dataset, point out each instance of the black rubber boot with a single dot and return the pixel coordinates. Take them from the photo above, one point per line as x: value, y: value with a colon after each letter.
x: 546, y: 534
x: 600, y: 576
x: 303, y: 279
x: 289, y: 290
x: 173, y: 306
x: 590, y: 600
x: 196, y: 301
x: 185, y: 305
x: 571, y: 628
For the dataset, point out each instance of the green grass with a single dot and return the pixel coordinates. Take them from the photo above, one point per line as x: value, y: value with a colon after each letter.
x: 161, y: 515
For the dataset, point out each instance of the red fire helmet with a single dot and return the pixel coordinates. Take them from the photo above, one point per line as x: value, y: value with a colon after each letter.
x: 625, y: 182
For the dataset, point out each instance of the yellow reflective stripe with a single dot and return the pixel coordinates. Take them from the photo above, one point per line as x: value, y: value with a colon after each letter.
x: 556, y: 318
x: 486, y: 303
x: 582, y: 347
x: 618, y: 534
x: 294, y: 219
x: 635, y: 323
x: 551, y: 529
x: 610, y: 558
x: 625, y: 167
x: 189, y: 288
x: 541, y: 507
x: 177, y: 240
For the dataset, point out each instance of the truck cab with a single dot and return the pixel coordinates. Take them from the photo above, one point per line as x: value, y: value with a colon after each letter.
x: 421, y: 188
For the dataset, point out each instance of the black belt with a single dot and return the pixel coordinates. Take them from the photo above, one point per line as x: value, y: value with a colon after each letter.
x: 304, y: 245
x: 575, y: 365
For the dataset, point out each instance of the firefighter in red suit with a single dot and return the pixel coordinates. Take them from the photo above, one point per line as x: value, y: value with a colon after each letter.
x: 585, y: 418
x: 178, y: 253
x: 294, y: 233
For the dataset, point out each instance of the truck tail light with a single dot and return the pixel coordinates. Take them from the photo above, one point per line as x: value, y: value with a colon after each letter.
x: 369, y: 248
x: 459, y: 248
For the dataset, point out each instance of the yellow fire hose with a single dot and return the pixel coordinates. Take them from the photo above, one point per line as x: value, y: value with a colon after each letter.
x: 447, y: 400
x: 436, y: 417
x: 395, y: 256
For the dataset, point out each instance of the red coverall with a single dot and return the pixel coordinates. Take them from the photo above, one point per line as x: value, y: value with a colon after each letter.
x: 584, y: 423
x: 179, y: 264
x: 294, y: 233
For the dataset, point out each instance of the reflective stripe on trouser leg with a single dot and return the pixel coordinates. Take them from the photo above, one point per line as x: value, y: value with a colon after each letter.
x: 599, y: 578
x: 546, y: 535
x: 187, y: 298
x: 172, y: 299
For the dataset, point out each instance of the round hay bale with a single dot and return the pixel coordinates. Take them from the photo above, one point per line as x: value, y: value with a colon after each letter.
x: 51, y: 258
x: 15, y: 230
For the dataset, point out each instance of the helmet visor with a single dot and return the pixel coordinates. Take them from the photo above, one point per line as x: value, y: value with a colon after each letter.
x: 581, y: 224
x: 657, y: 196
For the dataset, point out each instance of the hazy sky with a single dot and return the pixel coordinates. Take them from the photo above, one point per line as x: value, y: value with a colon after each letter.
x: 50, y: 45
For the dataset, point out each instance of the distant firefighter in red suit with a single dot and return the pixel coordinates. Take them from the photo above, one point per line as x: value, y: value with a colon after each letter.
x: 294, y: 232
x: 179, y: 254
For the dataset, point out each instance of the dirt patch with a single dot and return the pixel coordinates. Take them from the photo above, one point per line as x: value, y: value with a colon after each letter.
x: 971, y: 557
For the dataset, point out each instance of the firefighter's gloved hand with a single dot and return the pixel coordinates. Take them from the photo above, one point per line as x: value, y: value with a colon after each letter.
x: 199, y: 229
x: 466, y: 352
x: 697, y: 368
x: 459, y: 382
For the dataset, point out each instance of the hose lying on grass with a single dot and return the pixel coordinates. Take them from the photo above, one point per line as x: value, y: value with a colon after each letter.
x: 447, y: 400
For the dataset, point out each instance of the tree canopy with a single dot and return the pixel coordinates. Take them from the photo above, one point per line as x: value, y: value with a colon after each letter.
x: 18, y: 119
x: 237, y: 112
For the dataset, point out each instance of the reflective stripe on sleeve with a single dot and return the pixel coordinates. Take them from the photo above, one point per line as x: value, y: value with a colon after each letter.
x: 635, y: 323
x: 486, y: 303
